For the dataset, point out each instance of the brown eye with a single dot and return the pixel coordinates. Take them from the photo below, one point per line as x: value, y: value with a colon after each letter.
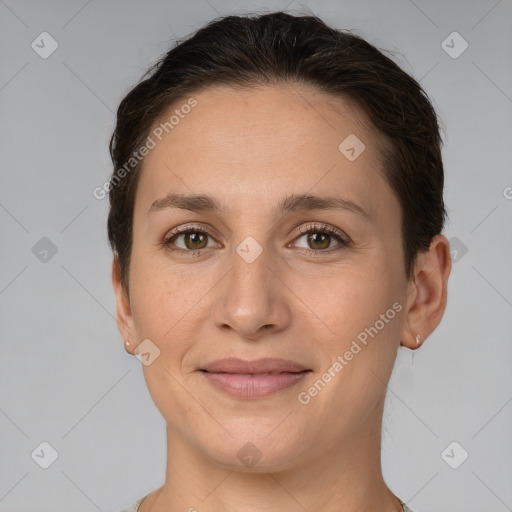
x: 195, y: 240
x: 188, y: 240
x: 320, y: 239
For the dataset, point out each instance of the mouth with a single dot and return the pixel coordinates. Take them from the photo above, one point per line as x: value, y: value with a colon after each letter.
x: 255, y: 367
x: 254, y: 379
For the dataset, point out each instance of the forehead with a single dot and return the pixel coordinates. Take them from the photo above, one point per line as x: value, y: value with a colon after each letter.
x: 228, y: 114
x: 257, y: 142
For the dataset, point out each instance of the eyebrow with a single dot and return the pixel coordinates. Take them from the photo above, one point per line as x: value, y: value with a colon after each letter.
x: 291, y: 203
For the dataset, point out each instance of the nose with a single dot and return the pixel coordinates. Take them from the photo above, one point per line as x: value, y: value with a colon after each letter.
x: 252, y: 300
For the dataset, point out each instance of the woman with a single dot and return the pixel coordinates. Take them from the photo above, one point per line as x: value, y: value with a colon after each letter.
x: 276, y: 210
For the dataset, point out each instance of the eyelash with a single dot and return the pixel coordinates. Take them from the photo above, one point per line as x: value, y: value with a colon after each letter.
x: 344, y: 240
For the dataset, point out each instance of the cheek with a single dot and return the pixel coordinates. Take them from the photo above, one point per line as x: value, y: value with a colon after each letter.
x: 359, y: 345
x: 162, y: 313
x: 362, y: 311
x: 163, y: 294
x: 347, y: 301
x: 169, y: 307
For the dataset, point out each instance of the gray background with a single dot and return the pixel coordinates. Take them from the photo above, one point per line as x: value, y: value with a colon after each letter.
x: 64, y: 375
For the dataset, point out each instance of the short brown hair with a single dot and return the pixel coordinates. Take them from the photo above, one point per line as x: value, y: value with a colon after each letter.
x: 278, y: 47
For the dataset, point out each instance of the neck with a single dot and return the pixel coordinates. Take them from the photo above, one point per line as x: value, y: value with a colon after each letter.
x: 345, y: 477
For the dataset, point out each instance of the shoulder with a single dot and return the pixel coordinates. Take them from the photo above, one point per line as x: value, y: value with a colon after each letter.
x: 134, y: 507
x: 404, y: 506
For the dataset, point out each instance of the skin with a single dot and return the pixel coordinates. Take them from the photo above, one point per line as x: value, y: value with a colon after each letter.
x: 249, y: 149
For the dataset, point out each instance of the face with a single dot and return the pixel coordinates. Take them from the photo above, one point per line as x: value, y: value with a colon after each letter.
x: 295, y: 254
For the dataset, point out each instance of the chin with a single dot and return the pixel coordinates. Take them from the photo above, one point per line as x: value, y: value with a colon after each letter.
x: 255, y: 449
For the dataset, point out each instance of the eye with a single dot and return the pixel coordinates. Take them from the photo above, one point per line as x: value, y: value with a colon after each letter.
x: 188, y: 239
x: 320, y: 237
x: 316, y: 239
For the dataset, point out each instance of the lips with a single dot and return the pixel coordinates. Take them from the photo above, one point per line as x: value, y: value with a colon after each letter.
x: 253, y: 379
x: 258, y: 366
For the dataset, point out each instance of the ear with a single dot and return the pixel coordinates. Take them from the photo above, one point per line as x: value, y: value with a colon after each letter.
x: 124, y: 316
x: 427, y: 292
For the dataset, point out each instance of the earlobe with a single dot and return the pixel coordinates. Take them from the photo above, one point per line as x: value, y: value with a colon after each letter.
x: 124, y: 316
x: 428, y: 293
